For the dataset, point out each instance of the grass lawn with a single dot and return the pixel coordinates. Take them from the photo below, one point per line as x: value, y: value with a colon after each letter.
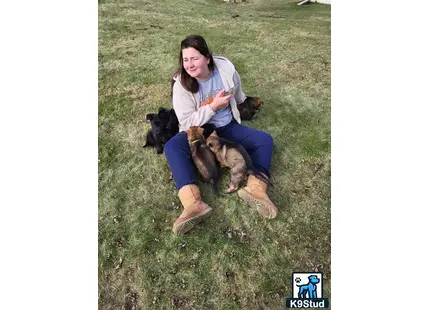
x: 235, y: 259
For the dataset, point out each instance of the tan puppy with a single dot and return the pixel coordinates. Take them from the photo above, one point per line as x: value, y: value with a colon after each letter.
x: 235, y: 157
x: 203, y: 157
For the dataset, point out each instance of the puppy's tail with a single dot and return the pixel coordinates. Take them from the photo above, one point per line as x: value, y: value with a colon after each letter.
x: 216, y: 173
x: 250, y: 167
x: 214, y: 186
x: 210, y: 162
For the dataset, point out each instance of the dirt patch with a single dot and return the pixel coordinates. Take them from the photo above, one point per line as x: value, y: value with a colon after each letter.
x: 182, y: 303
x: 237, y: 233
x: 229, y: 275
x: 131, y: 272
x: 130, y: 302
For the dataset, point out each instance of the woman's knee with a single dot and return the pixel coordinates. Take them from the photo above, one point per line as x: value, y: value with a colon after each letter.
x: 169, y: 146
x: 174, y: 144
x: 265, y: 138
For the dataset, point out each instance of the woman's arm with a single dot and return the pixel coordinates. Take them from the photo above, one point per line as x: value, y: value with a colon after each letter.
x: 239, y: 95
x: 185, y: 108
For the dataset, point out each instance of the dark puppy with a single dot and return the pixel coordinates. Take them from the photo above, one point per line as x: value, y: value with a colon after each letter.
x: 164, y: 126
x: 172, y: 127
x: 156, y: 135
x: 249, y: 107
x: 203, y: 157
x: 208, y: 129
x: 150, y: 140
x: 235, y: 157
x: 164, y: 116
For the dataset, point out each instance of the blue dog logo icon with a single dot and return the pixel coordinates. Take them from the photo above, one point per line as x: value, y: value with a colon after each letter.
x: 307, y: 296
x: 309, y: 290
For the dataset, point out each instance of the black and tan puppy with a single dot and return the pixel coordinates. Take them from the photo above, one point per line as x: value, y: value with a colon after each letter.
x: 203, y: 157
x: 249, y: 107
x: 235, y: 157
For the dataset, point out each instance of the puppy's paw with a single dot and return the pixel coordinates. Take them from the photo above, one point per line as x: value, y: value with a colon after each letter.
x: 231, y: 188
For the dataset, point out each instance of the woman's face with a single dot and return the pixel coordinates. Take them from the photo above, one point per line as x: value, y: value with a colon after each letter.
x: 195, y: 63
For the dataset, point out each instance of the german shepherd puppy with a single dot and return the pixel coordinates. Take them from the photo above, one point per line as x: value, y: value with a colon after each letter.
x: 249, y: 107
x: 164, y: 126
x: 172, y: 127
x: 203, y: 157
x: 156, y: 135
x: 235, y: 157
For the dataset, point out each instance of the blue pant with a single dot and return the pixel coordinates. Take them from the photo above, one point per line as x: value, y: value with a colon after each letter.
x: 258, y: 144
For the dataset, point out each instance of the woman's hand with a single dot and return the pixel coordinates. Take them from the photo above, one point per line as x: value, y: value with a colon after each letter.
x: 220, y: 101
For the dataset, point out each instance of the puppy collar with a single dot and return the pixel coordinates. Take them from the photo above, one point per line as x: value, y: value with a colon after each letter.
x: 192, y: 142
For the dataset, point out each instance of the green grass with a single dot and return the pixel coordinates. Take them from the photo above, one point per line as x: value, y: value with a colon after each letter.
x: 236, y: 259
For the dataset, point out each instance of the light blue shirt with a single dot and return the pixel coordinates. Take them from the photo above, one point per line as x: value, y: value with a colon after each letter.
x: 208, y: 90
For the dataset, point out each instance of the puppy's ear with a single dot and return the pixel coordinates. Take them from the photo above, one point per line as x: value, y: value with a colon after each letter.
x: 200, y: 130
x: 149, y: 117
x: 162, y: 113
x: 189, y: 131
x: 208, y: 129
x: 213, y: 134
x: 258, y: 101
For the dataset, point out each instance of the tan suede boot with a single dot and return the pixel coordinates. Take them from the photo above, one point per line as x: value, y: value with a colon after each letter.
x: 255, y: 196
x: 195, y: 210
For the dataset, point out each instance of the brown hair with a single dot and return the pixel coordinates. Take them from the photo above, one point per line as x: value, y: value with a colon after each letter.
x: 197, y: 42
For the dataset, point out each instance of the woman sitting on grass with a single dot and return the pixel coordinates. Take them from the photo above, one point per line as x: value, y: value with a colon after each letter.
x: 198, y: 98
